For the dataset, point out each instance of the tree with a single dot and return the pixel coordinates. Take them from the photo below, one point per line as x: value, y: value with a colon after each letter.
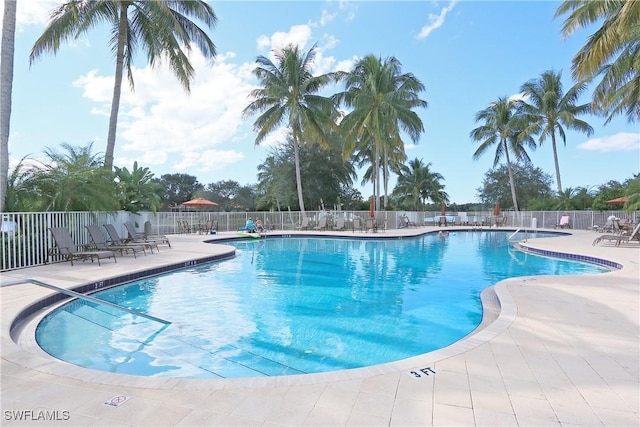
x: 632, y: 192
x: 177, y: 188
x: 607, y: 191
x: 533, y: 185
x: 327, y: 174
x: 612, y: 52
x: 224, y: 193
x: 136, y: 190
x: 6, y: 76
x: 504, y: 127
x: 550, y: 109
x: 382, y: 103
x: 161, y: 28
x: 289, y: 92
x: 416, y: 184
x: 71, y: 181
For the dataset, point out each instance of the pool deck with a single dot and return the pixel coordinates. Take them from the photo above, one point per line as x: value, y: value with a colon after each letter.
x: 558, y: 351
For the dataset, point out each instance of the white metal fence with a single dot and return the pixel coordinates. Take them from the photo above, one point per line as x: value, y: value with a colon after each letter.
x: 26, y: 240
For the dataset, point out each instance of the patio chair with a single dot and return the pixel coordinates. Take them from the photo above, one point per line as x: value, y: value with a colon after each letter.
x: 357, y: 225
x: 148, y: 235
x: 69, y: 250
x: 619, y: 238
x: 339, y: 226
x: 371, y: 225
x: 304, y: 224
x: 98, y: 242
x: 116, y: 239
x: 322, y: 224
x: 135, y: 237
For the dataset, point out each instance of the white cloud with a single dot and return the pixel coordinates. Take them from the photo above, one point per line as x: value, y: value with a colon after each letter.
x: 297, y: 35
x: 160, y: 123
x: 435, y: 21
x: 624, y: 141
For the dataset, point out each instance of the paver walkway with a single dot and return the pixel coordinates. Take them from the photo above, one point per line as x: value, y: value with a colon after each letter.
x: 564, y: 350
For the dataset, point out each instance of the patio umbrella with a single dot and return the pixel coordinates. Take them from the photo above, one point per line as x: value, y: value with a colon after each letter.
x: 200, y: 202
x: 496, y: 209
x: 371, y: 207
x: 618, y: 201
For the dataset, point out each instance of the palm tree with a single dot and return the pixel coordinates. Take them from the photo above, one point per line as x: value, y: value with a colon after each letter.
x: 161, y: 28
x: 504, y: 126
x: 290, y: 92
x: 381, y: 100
x: 550, y: 109
x: 6, y: 76
x: 416, y: 184
x: 71, y: 181
x: 613, y: 51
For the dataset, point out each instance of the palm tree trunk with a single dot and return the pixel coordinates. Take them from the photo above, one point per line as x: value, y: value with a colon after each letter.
x: 385, y: 172
x: 555, y: 159
x: 6, y: 76
x: 296, y: 155
x: 511, y: 180
x: 117, y: 88
x: 376, y: 186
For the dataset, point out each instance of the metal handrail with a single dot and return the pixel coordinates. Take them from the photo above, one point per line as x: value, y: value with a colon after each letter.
x: 84, y: 297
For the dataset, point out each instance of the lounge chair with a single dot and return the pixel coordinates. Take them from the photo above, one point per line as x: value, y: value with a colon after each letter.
x: 135, y: 237
x: 148, y: 235
x: 564, y: 222
x: 98, y: 242
x: 339, y: 224
x: 68, y: 248
x: 322, y: 224
x: 619, y: 238
x: 116, y: 239
x: 304, y: 224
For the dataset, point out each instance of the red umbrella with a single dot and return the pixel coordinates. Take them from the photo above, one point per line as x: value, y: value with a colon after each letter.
x: 371, y: 207
x: 200, y: 202
x: 496, y: 209
x: 618, y: 201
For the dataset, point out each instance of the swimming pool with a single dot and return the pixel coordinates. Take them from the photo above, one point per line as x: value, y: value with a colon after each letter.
x: 295, y: 305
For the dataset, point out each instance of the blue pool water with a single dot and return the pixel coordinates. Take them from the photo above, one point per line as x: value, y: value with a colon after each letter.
x: 295, y: 305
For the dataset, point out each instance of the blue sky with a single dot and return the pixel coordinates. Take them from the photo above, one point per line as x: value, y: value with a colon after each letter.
x: 466, y: 53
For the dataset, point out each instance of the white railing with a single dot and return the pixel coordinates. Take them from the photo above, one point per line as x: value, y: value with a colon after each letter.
x: 26, y: 241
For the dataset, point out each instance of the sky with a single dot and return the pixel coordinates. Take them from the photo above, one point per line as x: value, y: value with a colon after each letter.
x: 466, y: 53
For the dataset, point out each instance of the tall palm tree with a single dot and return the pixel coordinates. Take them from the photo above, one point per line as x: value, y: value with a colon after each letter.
x: 162, y: 28
x: 551, y: 110
x: 382, y: 103
x: 504, y: 125
x: 613, y: 52
x: 289, y: 93
x: 6, y: 76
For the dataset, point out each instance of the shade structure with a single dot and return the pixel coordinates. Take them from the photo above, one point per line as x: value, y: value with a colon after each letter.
x: 618, y: 201
x: 443, y: 209
x: 371, y: 207
x: 496, y: 209
x: 200, y: 202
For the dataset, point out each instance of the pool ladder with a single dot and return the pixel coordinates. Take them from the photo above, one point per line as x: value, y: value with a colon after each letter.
x: 84, y: 297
